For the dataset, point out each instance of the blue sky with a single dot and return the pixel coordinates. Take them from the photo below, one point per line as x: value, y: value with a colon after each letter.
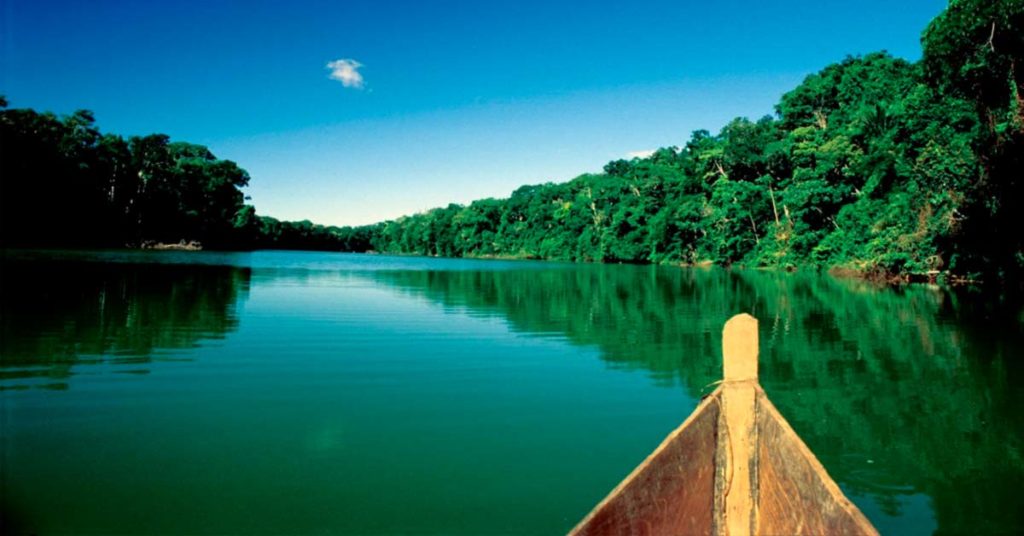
x: 446, y: 101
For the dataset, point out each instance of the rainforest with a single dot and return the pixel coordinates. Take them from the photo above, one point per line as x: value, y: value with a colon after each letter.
x: 874, y: 165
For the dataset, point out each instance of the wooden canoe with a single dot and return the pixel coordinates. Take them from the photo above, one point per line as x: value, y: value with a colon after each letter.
x: 735, y: 467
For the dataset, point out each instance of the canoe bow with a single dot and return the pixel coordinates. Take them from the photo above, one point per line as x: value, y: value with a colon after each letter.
x: 734, y: 467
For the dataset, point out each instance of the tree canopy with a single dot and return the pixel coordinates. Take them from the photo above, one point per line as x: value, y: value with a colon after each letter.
x: 873, y: 164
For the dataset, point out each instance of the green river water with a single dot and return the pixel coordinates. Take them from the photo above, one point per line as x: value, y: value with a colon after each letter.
x: 294, y: 392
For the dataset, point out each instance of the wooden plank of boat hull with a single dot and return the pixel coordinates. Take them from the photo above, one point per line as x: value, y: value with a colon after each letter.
x: 736, y: 461
x: 671, y: 492
x: 736, y: 456
x: 795, y: 494
x: 735, y: 467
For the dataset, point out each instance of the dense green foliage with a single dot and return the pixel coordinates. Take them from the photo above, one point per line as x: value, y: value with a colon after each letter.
x: 273, y: 234
x: 873, y: 164
x: 64, y: 183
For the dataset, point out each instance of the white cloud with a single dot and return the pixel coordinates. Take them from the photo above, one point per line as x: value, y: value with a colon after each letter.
x: 640, y: 154
x: 347, y: 72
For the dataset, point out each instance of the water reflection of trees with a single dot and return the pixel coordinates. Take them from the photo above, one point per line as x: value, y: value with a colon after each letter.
x: 898, y: 391
x: 55, y: 316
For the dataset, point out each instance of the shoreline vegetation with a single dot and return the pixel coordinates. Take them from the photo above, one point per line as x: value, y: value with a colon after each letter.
x: 874, y: 166
x: 838, y: 272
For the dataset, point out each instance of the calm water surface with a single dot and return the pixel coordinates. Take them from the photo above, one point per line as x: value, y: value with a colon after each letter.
x: 279, y: 392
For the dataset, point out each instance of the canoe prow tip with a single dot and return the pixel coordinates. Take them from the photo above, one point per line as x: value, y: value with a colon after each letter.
x: 739, y: 349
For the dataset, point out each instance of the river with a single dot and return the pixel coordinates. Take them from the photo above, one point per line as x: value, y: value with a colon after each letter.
x: 297, y: 392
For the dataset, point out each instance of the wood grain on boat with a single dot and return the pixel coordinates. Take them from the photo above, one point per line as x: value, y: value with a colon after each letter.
x: 734, y: 467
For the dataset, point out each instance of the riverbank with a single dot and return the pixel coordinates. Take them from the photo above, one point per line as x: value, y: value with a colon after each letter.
x: 191, y: 245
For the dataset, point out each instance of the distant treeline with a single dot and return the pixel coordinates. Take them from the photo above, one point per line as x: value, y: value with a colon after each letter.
x: 64, y: 183
x: 872, y: 164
